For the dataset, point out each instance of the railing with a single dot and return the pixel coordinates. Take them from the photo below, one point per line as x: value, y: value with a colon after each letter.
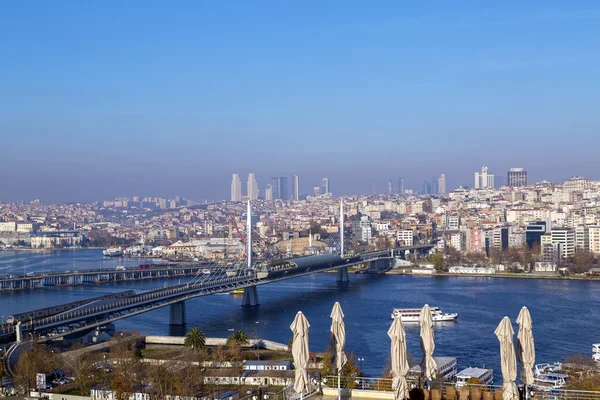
x: 450, y: 391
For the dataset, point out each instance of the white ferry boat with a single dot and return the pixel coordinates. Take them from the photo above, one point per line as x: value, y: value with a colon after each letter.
x: 483, y: 375
x: 549, y: 376
x: 596, y: 352
x: 446, y: 368
x: 412, y: 314
x: 113, y: 252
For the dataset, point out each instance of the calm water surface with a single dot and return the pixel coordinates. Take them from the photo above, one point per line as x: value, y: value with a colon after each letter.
x: 565, y: 313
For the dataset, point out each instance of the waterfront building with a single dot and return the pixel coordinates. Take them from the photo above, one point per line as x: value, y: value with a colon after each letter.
x: 594, y: 239
x: 517, y: 177
x: 582, y: 238
x: 295, y: 188
x: 500, y: 238
x: 484, y: 179
x: 534, y: 233
x: 252, y: 187
x: 53, y: 239
x: 280, y: 188
x: 236, y: 188
x: 458, y: 241
x: 566, y: 238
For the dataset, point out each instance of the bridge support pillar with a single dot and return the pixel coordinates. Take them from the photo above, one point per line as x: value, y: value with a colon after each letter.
x: 250, y: 296
x: 177, y: 313
x: 19, y: 333
x: 342, y: 275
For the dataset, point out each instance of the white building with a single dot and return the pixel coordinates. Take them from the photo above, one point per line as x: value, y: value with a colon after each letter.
x: 483, y: 179
x: 236, y: 188
x: 582, y: 238
x: 471, y: 270
x: 405, y: 237
x: 594, y: 239
x: 566, y: 238
x: 362, y: 229
x: 442, y: 184
x: 295, y: 188
x: 252, y: 187
x: 269, y: 192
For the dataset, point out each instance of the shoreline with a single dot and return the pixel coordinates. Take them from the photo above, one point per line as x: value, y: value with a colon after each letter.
x: 498, y: 275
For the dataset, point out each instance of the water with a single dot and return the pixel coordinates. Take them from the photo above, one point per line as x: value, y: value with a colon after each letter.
x: 565, y: 313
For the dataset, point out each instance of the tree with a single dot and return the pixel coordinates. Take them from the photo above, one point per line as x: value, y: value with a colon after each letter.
x: 81, y: 366
x: 36, y: 360
x: 195, y: 339
x: 163, y: 381
x: 438, y: 261
x: 127, y: 370
x: 238, y: 338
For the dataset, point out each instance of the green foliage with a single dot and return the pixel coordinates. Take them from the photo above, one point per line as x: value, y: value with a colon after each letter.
x: 438, y: 261
x: 238, y: 338
x: 195, y: 339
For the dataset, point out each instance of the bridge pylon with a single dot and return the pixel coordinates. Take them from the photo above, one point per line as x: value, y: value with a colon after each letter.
x: 342, y: 275
x: 177, y: 313
x: 250, y: 297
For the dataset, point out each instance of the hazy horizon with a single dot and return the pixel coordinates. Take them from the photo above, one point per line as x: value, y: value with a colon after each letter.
x: 112, y: 99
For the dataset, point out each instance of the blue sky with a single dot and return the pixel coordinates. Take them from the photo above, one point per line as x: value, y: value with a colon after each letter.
x: 99, y: 99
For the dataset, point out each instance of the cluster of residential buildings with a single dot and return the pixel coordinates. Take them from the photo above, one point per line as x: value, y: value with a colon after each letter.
x: 556, y: 220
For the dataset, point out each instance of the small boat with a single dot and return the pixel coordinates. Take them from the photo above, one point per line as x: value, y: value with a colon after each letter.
x: 484, y: 376
x: 596, y: 352
x: 412, y: 314
x: 113, y: 252
x: 549, y: 377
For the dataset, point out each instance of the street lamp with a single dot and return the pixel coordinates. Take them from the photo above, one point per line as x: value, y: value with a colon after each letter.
x: 361, y: 360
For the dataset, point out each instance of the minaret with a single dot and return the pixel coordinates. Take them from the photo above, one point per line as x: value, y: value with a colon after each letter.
x: 310, y: 238
x: 341, y: 227
x: 249, y: 235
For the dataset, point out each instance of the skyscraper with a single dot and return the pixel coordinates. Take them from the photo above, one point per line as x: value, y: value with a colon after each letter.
x: 252, y: 187
x: 295, y: 188
x: 442, y: 184
x: 400, y: 186
x: 269, y: 192
x: 517, y: 177
x: 325, y: 186
x: 483, y: 179
x: 390, y: 187
x: 280, y: 188
x: 236, y: 188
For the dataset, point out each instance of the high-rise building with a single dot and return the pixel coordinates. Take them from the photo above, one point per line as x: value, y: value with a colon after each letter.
x: 390, y: 187
x: 400, y: 186
x: 236, y: 188
x: 372, y: 186
x: 295, y: 188
x: 317, y: 190
x: 517, y: 177
x: 483, y: 179
x: 325, y: 186
x: 280, y: 188
x: 442, y: 184
x: 252, y: 187
x: 566, y: 238
x: 594, y: 239
x: 269, y: 192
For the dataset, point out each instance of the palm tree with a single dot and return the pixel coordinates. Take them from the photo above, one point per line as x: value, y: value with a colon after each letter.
x: 238, y: 337
x: 195, y: 339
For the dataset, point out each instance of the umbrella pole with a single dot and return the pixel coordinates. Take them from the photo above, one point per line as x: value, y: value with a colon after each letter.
x: 339, y: 386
